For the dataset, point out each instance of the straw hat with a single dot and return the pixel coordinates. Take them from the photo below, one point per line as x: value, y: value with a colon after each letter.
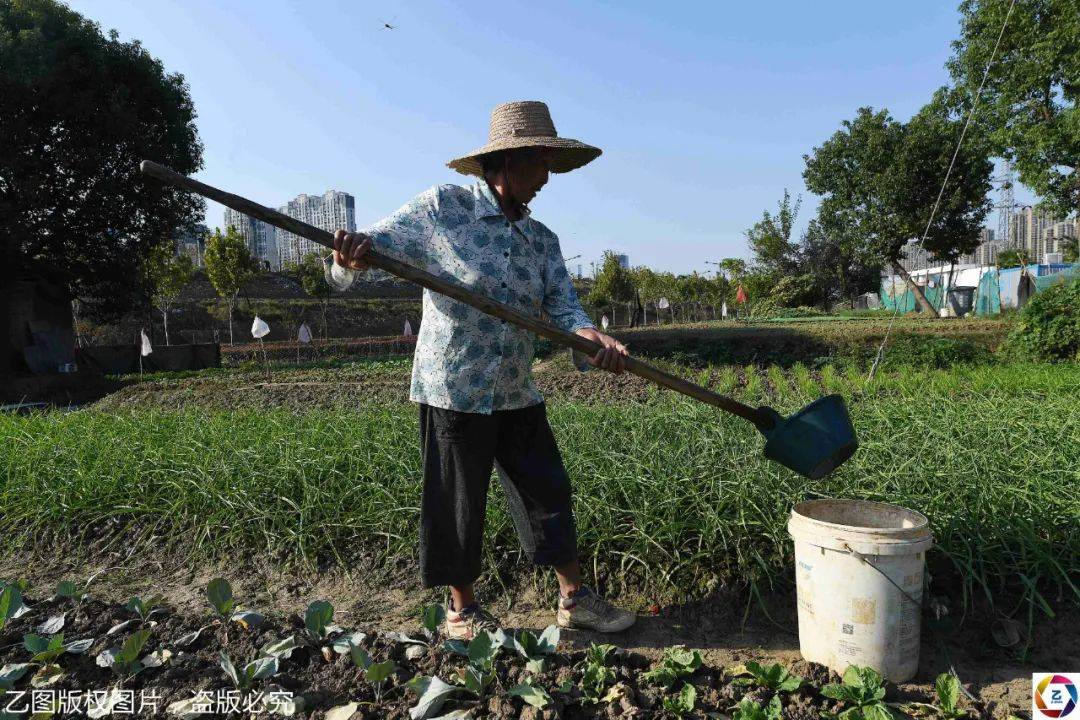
x: 526, y: 123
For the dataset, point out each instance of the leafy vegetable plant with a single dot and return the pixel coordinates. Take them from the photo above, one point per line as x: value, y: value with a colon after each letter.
x: 677, y: 662
x: 481, y: 652
x: 376, y: 673
x: 597, y: 675
x: 535, y: 649
x: 145, y: 608
x: 257, y: 669
x: 432, y: 692
x: 750, y: 710
x: 10, y: 603
x: 124, y: 661
x: 47, y: 650
x: 681, y: 703
x: 319, y: 623
x: 431, y: 617
x: 947, y: 689
x: 863, y: 688
x: 774, y: 677
x: 531, y: 693
x: 220, y: 595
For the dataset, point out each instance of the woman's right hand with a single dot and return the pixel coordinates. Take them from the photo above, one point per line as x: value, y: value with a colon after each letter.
x: 350, y: 249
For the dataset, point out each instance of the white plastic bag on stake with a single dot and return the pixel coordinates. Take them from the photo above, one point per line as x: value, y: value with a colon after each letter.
x: 304, y: 335
x: 407, y: 332
x: 144, y: 348
x: 604, y: 322
x: 259, y: 328
x: 723, y: 310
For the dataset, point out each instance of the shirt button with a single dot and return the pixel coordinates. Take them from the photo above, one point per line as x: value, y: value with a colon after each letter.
x: 506, y: 254
x: 504, y: 284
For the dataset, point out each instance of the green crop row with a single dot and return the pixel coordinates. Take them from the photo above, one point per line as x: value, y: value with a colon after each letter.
x: 672, y: 497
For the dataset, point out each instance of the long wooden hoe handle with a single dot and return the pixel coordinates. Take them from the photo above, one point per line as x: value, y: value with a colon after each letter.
x: 762, y: 421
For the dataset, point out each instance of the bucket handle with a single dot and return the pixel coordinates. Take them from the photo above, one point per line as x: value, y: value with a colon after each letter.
x: 855, y: 553
x: 921, y: 605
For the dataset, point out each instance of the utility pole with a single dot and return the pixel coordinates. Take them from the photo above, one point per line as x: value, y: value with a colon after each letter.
x: 1006, y: 203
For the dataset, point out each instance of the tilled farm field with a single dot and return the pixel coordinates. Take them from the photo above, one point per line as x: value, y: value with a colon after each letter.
x: 209, y: 655
x: 304, y: 488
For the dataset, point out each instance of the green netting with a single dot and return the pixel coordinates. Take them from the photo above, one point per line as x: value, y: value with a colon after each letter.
x: 988, y: 294
x: 894, y: 293
x: 1045, y: 281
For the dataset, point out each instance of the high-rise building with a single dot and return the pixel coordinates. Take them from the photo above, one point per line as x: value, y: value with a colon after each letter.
x: 985, y: 249
x: 261, y: 238
x: 330, y: 211
x: 624, y: 261
x: 192, y: 244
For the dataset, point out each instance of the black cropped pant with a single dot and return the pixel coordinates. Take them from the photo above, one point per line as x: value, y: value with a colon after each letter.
x: 459, y: 450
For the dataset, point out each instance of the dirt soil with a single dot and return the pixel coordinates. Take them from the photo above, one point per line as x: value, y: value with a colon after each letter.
x: 997, y: 679
x: 350, y: 386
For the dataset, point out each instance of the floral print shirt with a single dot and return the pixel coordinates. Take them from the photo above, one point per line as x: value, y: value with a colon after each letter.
x: 467, y: 360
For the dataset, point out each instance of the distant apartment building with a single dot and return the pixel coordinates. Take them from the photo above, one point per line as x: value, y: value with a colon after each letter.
x: 985, y: 253
x: 1039, y: 233
x: 193, y: 244
x: 624, y: 261
x: 330, y: 211
x: 261, y: 238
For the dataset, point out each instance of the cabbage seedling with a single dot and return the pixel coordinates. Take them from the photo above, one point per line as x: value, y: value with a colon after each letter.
x: 775, y: 677
x: 864, y: 689
x: 431, y: 617
x: 682, y: 703
x: 531, y: 693
x: 947, y: 689
x: 432, y: 692
x: 10, y: 603
x: 750, y: 710
x: 46, y: 650
x: 376, y: 673
x: 124, y: 661
x: 677, y: 662
x: 220, y: 594
x: 318, y: 623
x: 597, y: 675
x: 534, y: 649
x: 481, y: 652
x: 145, y: 608
x: 243, y: 679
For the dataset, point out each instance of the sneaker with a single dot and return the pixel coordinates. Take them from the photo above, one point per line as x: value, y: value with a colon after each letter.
x: 465, y: 623
x: 588, y: 611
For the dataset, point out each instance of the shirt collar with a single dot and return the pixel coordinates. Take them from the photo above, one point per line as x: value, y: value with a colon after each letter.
x: 487, y: 205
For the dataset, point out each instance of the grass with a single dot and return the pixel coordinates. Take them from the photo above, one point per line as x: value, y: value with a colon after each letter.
x: 672, y: 497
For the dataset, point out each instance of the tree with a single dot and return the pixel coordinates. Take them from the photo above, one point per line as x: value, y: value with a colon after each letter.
x: 613, y: 283
x: 169, y: 275
x: 229, y: 265
x: 831, y: 259
x: 733, y: 268
x: 1070, y: 250
x: 311, y: 275
x: 1032, y: 91
x: 1012, y: 258
x: 880, y: 179
x: 770, y: 238
x: 80, y: 110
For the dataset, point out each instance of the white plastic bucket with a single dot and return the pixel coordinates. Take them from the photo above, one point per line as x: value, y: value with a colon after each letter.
x: 849, y: 611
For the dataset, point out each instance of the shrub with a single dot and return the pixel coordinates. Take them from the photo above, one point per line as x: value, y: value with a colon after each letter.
x: 1049, y: 325
x: 934, y: 352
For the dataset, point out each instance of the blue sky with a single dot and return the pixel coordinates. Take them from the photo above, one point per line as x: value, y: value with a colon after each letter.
x: 703, y: 110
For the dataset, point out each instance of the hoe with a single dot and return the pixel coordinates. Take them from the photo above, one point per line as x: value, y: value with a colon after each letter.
x: 812, y: 442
